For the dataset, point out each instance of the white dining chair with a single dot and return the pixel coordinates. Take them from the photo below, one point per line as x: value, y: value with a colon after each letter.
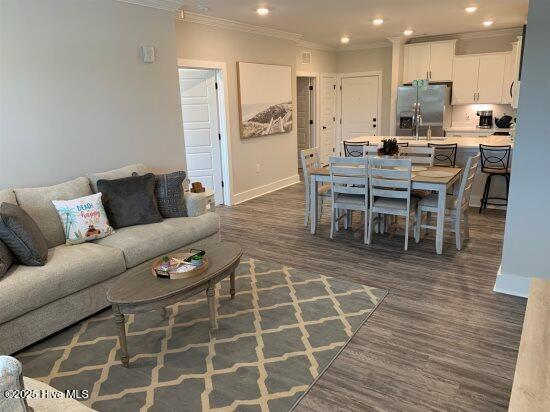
x: 458, y: 205
x: 390, y: 191
x: 419, y: 155
x: 311, y: 159
x: 349, y: 189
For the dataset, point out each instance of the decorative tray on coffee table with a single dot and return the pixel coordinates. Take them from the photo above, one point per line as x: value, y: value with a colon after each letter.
x: 176, y: 267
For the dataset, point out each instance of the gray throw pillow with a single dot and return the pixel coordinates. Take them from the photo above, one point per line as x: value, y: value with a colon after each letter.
x: 130, y: 201
x: 169, y: 193
x: 22, y: 236
x: 6, y: 259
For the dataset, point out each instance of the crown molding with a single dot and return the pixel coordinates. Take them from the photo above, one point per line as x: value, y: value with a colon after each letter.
x: 168, y: 5
x: 315, y: 46
x: 364, y: 46
x: 398, y: 40
x: 513, y: 31
x: 235, y: 25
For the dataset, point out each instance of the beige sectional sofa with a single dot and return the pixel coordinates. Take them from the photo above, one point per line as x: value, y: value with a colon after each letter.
x: 38, y: 301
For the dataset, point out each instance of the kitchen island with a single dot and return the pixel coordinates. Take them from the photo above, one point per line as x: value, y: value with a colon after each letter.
x: 466, y: 147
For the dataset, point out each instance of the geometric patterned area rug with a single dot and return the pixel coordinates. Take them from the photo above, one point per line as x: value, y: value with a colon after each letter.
x: 274, y: 340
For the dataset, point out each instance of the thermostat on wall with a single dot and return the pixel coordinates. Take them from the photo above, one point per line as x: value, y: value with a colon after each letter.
x: 148, y: 54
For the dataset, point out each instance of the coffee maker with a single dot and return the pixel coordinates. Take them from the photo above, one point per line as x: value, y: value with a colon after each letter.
x: 485, y: 119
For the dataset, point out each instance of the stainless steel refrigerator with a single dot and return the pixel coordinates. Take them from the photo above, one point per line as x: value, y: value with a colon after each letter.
x: 419, y: 109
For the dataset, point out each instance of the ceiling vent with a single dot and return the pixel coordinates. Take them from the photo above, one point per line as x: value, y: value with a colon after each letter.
x: 306, y: 57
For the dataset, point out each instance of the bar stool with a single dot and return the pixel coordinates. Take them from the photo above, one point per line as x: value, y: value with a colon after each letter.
x: 354, y: 149
x: 445, y: 154
x: 495, y: 161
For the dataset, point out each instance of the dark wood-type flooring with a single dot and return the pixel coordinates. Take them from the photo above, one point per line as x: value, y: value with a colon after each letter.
x: 441, y: 340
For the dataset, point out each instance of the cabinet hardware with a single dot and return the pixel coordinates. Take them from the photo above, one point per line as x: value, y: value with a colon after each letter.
x: 511, y: 87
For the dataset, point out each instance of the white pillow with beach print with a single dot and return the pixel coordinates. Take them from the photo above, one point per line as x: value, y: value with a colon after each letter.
x: 84, y: 219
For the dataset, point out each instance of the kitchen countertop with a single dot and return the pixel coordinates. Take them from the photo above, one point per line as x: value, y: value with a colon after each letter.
x: 474, y: 129
x: 462, y: 142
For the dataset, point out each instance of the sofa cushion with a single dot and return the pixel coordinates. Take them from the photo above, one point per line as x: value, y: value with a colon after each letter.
x: 22, y: 235
x: 37, y: 202
x: 141, y: 243
x: 125, y: 171
x: 130, y: 201
x: 69, y: 270
x: 7, y: 196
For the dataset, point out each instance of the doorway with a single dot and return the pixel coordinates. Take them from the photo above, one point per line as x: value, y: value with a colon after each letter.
x: 306, y: 118
x: 201, y: 105
x: 360, y: 99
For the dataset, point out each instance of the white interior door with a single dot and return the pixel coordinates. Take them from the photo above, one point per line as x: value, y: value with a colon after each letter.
x: 328, y: 116
x: 199, y: 104
x: 359, y: 105
x: 304, y: 119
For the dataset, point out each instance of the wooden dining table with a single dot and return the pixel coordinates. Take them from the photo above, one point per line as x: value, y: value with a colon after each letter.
x: 439, y: 185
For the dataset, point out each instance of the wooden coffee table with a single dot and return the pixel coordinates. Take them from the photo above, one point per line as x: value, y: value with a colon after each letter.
x: 144, y: 292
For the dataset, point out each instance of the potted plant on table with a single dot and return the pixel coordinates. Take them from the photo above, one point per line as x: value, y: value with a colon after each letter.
x: 389, y: 148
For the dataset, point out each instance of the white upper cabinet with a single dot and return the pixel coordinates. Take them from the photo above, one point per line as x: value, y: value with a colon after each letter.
x: 491, y: 78
x: 416, y: 62
x: 433, y: 61
x: 516, y: 67
x: 509, y: 71
x: 442, y: 56
x: 465, y: 75
x: 479, y: 78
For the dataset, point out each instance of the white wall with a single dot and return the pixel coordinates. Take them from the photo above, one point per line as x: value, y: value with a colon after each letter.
x: 321, y: 61
x: 379, y: 59
x: 75, y: 95
x: 527, y: 234
x: 276, y: 155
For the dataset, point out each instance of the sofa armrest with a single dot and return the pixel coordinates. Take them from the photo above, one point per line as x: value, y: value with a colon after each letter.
x: 11, y: 378
x: 195, y: 204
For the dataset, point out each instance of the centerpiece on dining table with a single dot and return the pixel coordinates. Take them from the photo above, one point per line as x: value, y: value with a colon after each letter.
x: 389, y: 148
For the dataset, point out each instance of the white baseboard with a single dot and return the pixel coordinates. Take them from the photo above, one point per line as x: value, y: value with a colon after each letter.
x: 265, y: 189
x: 512, y: 284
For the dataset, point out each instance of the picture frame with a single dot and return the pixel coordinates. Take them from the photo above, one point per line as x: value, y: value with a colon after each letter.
x: 265, y: 99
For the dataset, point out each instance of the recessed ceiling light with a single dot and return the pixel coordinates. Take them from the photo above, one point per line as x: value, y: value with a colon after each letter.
x: 262, y: 11
x: 488, y: 23
x: 378, y: 22
x: 344, y: 40
x: 408, y: 32
x: 471, y: 9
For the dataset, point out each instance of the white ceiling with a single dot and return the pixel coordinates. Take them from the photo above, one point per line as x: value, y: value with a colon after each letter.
x: 325, y: 21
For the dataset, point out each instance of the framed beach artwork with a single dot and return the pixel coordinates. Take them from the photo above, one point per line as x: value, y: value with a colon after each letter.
x: 265, y: 99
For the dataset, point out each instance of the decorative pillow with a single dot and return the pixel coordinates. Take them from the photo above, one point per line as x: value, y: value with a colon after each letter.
x: 169, y: 194
x: 22, y: 236
x: 6, y: 259
x: 130, y: 201
x: 83, y: 219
